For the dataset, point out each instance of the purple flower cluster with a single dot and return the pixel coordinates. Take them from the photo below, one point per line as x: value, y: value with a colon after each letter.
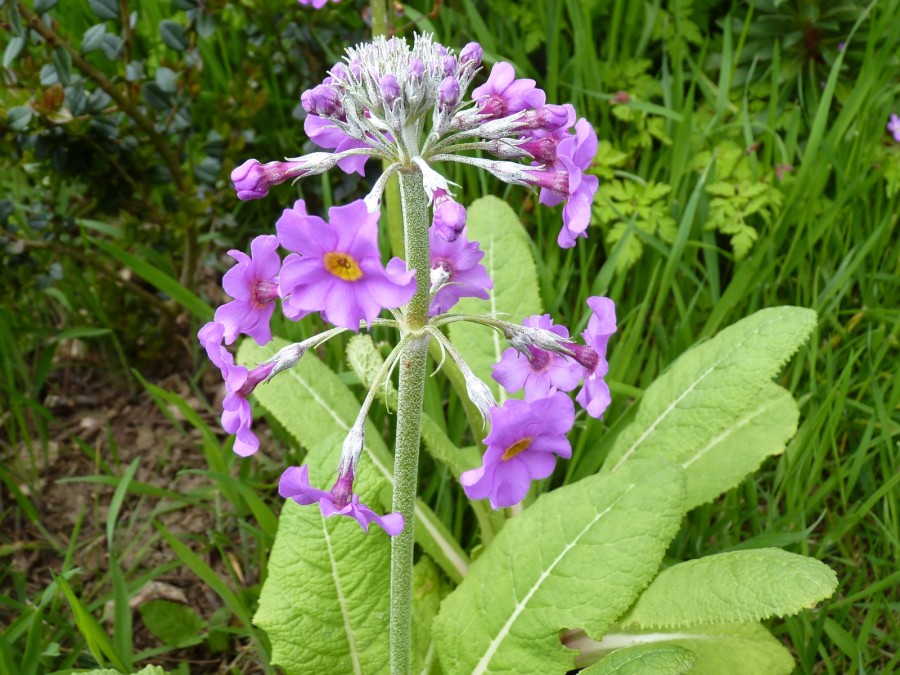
x: 527, y: 436
x: 372, y: 105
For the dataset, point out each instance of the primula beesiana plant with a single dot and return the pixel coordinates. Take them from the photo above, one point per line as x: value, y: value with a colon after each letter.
x: 572, y: 580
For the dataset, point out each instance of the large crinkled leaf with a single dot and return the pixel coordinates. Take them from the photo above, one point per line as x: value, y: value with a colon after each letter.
x: 510, y: 264
x: 706, y: 408
x: 428, y: 590
x: 326, y: 600
x: 729, y: 648
x: 733, y: 587
x: 312, y: 403
x: 645, y: 660
x: 578, y: 557
x: 760, y: 431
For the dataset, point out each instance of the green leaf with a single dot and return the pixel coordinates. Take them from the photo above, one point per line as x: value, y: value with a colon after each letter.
x: 312, y: 403
x: 644, y: 660
x: 510, y: 264
x: 93, y: 38
x: 62, y: 63
x: 760, y: 431
x: 706, y: 407
x: 175, y: 624
x: 738, y: 586
x: 13, y: 48
x: 325, y: 604
x: 578, y: 557
x: 19, y: 117
x: 174, y: 35
x: 365, y: 360
x: 427, y: 594
x: 105, y: 9
x: 732, y: 648
x: 157, y: 278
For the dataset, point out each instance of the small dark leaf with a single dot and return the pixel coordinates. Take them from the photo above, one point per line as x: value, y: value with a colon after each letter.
x: 105, y: 9
x: 62, y: 61
x: 13, y: 48
x: 76, y: 99
x: 98, y: 101
x: 93, y: 38
x: 174, y: 35
x: 41, y: 6
x: 156, y: 97
x: 15, y: 21
x: 208, y: 170
x: 184, y: 4
x: 18, y: 117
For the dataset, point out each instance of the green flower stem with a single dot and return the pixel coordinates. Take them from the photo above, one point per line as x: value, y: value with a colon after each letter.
x: 410, y: 398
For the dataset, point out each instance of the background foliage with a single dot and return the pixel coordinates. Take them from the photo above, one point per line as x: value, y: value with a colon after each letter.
x: 745, y: 164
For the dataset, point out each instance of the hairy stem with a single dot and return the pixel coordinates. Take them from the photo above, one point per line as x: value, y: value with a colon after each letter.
x: 410, y: 397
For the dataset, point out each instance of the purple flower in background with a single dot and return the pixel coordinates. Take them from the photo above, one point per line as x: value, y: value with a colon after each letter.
x: 253, y: 283
x: 460, y: 260
x: 540, y: 372
x: 574, y: 154
x: 525, y: 440
x: 503, y: 95
x: 316, y: 4
x: 338, y: 271
x: 341, y: 501
x: 594, y: 396
x: 893, y: 127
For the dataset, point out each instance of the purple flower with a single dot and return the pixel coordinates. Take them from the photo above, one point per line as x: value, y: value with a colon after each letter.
x: 594, y: 396
x: 460, y: 259
x: 316, y: 4
x: 322, y: 100
x: 294, y: 484
x: 448, y: 92
x: 575, y: 154
x: 893, y: 127
x: 503, y: 95
x: 449, y: 216
x: 541, y: 372
x: 390, y: 89
x: 212, y: 337
x: 237, y: 417
x: 525, y: 440
x: 338, y: 271
x: 325, y: 134
x: 253, y: 283
x: 252, y: 180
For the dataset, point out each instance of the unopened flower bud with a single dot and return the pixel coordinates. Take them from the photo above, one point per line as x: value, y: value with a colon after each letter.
x: 355, y: 68
x: 449, y: 216
x: 448, y: 93
x: 390, y: 89
x: 252, y: 180
x: 449, y: 64
x: 339, y: 73
x: 471, y: 53
x: 321, y: 100
x: 416, y: 69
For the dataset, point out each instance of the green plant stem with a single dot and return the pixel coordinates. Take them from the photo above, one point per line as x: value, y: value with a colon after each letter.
x: 410, y: 398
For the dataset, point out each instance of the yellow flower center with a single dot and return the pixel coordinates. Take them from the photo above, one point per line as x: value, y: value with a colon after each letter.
x: 342, y: 266
x: 516, y: 448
